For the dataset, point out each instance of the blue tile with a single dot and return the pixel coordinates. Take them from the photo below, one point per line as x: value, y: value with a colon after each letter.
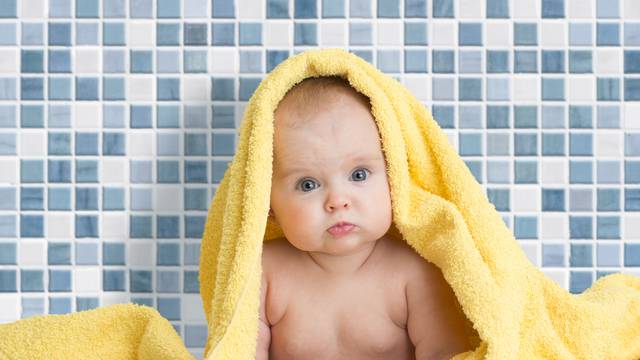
x: 113, y: 61
x: 167, y: 61
x: 250, y: 33
x: 32, y: 34
x: 32, y: 61
x: 31, y: 116
x: 141, y: 116
x: 7, y: 89
x: 223, y: 117
x: 415, y: 9
x: 113, y: 280
x: 223, y: 89
x: 167, y: 281
x: 59, y: 253
x: 580, y: 172
x: 470, y: 117
x: 553, y: 61
x: 631, y: 172
x: 86, y: 226
x: 59, y: 198
x: 8, y: 281
x: 32, y: 307
x: 525, y: 144
x: 196, y: 34
x: 87, y: 88
x: 218, y: 168
x: 525, y: 61
x: 608, y: 255
x: 113, y: 88
x: 113, y: 253
x: 31, y: 198
x: 86, y: 303
x: 31, y: 280
x: 31, y: 226
x: 499, y: 198
x: 141, y: 199
x: 360, y: 8
x: 168, y: 144
x: 631, y: 59
x: 59, y: 116
x: 140, y: 281
x: 631, y: 34
x: 251, y: 61
x: 415, y: 33
x: 113, y: 116
x: 141, y: 171
x: 223, y: 144
x: 553, y: 255
x: 8, y: 226
x: 552, y: 8
x: 553, y: 144
x: 8, y: 9
x: 7, y: 116
x: 113, y: 34
x: 195, y: 61
x: 140, y: 227
x: 305, y: 9
x: 168, y: 88
x: 196, y: 117
x: 608, y: 200
x: 631, y: 255
x: 168, y: 254
x: 60, y: 8
x: 59, y: 280
x: 553, y: 89
x: 580, y: 117
x: 607, y: 9
x: 195, y: 172
x: 278, y: 9
x: 113, y: 143
x: 608, y: 172
x: 168, y: 171
x: 443, y: 115
x: 580, y: 227
x: 222, y: 34
x: 526, y: 172
x: 470, y: 61
x: 86, y: 171
x: 8, y: 196
x: 581, y: 255
x: 168, y: 9
x: 114, y: 9
x: 195, y: 335
x: 86, y: 199
x: 442, y: 8
x: 7, y: 144
x: 32, y: 88
x: 580, y: 34
x: 498, y: 89
x: 580, y: 61
x: 442, y: 89
x: 608, y: 89
x: 191, y: 282
x: 195, y: 144
x: 275, y: 57
x: 87, y: 8
x: 8, y: 34
x: 498, y: 61
x: 525, y: 116
x: 553, y: 200
x: 112, y: 198
x: 86, y: 143
x: 60, y: 306
x: 631, y: 144
x: 223, y: 9
x: 388, y: 61
x: 632, y: 199
x: 169, y: 34
x: 580, y: 281
x: 608, y: 227
x: 497, y: 117
x: 525, y: 33
x: 470, y: 89
x: 196, y: 199
x: 470, y: 34
x: 498, y: 144
x: 443, y: 61
x: 607, y: 34
x: 191, y: 254
x: 526, y: 227
x: 87, y: 34
x: 305, y: 34
x: 60, y: 88
x: 470, y: 144
x: 59, y: 33
x: 141, y: 61
x: 631, y: 89
x: 497, y: 9
x: 31, y: 171
x: 334, y: 8
x: 141, y: 8
x: 388, y: 8
x: 169, y: 308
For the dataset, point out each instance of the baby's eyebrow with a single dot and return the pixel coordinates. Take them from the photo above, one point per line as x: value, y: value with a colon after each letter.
x: 358, y: 158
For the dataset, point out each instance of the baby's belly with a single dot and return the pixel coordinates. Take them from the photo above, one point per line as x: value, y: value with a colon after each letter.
x: 351, y: 337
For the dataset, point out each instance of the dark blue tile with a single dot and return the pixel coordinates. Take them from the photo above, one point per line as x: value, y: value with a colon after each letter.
x: 31, y: 226
x: 59, y: 171
x: 580, y: 117
x: 553, y: 144
x: 195, y: 171
x: 191, y: 282
x: 86, y: 143
x: 168, y: 254
x: 525, y: 144
x: 31, y: 198
x: 140, y: 281
x: 278, y: 9
x: 141, y: 116
x: 608, y: 89
x: 169, y: 34
x: 388, y: 8
x: 607, y: 34
x: 196, y: 34
x: 443, y: 61
x: 525, y: 172
x: 497, y: 117
x: 632, y: 255
x: 470, y: 34
x: 498, y: 61
x: 442, y: 8
x: 525, y: 33
x: 113, y: 143
x: 415, y: 61
x: 631, y: 89
x: 499, y: 198
x: 86, y: 303
x: 194, y: 226
x: 113, y: 88
x: 87, y: 88
x: 141, y: 61
x: 196, y: 199
x: 31, y: 280
x: 553, y: 200
x: 195, y: 144
x: 552, y: 8
x: 580, y: 61
x: 59, y: 253
x: 31, y: 171
x: 86, y: 226
x: 168, y: 88
x: 32, y: 88
x: 415, y: 8
x: 552, y: 61
x: 113, y: 280
x: 31, y: 61
x: 305, y: 9
x: 275, y: 57
x: 113, y: 253
x: 59, y: 33
x: 168, y: 171
x: 140, y: 227
x: 608, y: 227
x: 305, y: 34
x: 525, y: 227
x: 59, y: 143
x: 525, y: 61
x: 333, y: 8
x: 608, y: 200
x: 580, y: 227
x: 581, y: 255
x: 223, y: 9
x: 632, y: 61
x: 443, y: 115
x: 631, y: 172
x: 86, y: 198
x: 169, y: 308
x: 470, y: 89
x: 168, y: 9
x: 497, y: 9
x: 525, y: 116
x: 218, y: 168
x: 86, y: 171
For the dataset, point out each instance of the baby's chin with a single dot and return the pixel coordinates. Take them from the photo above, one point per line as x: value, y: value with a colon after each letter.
x: 337, y: 246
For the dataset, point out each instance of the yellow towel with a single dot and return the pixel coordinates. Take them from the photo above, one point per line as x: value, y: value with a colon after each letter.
x: 438, y: 208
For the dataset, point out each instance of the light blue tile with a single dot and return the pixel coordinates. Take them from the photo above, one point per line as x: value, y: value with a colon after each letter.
x: 470, y: 61
x: 195, y: 335
x: 278, y: 9
x: 8, y: 227
x: 168, y: 116
x: 191, y: 283
x: 525, y: 144
x: 59, y: 253
x: 250, y: 33
x: 113, y: 60
x: 608, y: 200
x: 114, y: 8
x: 87, y: 143
x: 553, y: 255
x: 470, y: 34
x: 8, y: 9
x: 525, y: 116
x: 8, y: 34
x: 525, y: 227
x: 113, y: 88
x: 191, y: 254
x: 631, y: 34
x: 389, y: 61
x: 31, y: 171
x: 498, y: 172
x: 32, y: 307
x: 31, y: 116
x: 87, y: 88
x: 168, y: 61
x: 168, y: 171
x: 360, y: 8
x: 498, y: 89
x: 141, y: 199
x: 607, y: 34
x: 581, y: 227
x: 141, y: 61
x: 168, y: 9
x: 113, y: 33
x: 608, y: 172
x: 607, y: 9
x: 388, y: 8
x: 140, y: 171
x: 8, y: 196
x: 169, y: 34
x: 525, y: 61
x: 221, y: 34
x: 59, y: 199
x: 443, y: 88
x: 608, y: 255
x: 59, y: 280
x: 497, y: 9
x: 168, y: 144
x: 167, y: 281
x: 86, y: 253
x: 141, y: 116
x: 497, y: 117
x: 525, y: 172
x: 195, y: 61
x: 59, y: 8
x: 251, y: 61
x: 7, y: 144
x: 580, y: 117
x: 470, y: 89
x: 498, y: 61
x: 608, y: 227
x: 581, y: 255
x: 7, y: 116
x: 553, y: 89
x: 168, y: 89
x: 8, y: 88
x: 32, y: 34
x: 580, y: 172
x: 470, y: 144
x: 580, y: 34
x: 498, y: 144
x: 87, y: 8
x: 141, y: 8
x: 580, y: 61
x: 631, y: 172
x: 60, y: 306
x: 333, y: 8
x: 60, y: 88
x: 112, y: 198
x: 86, y: 303
x: 223, y: 144
x: 415, y: 9
x: 443, y: 61
x: 553, y: 144
x: 59, y: 33
x: 305, y: 34
x: 525, y: 33
x: 223, y: 117
x: 415, y: 33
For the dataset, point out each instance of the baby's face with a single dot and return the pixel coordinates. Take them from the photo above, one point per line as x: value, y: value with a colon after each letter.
x: 329, y: 169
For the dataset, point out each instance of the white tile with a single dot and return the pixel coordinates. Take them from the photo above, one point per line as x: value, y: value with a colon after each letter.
x: 553, y: 227
x: 390, y: 33
x: 531, y: 250
x: 631, y: 226
x: 141, y: 33
x: 33, y: 143
x: 9, y: 61
x: 609, y: 144
x: 87, y: 61
x: 470, y: 9
x: 112, y: 298
x: 251, y: 9
x: 9, y: 307
x: 558, y: 276
x: 580, y: 9
x: 33, y: 9
x: 114, y: 171
x: 418, y: 85
x: 525, y: 198
x: 168, y: 198
x: 553, y: 171
x: 526, y: 9
x: 141, y: 88
x: 114, y: 226
x: 141, y: 253
x: 87, y: 115
x: 32, y: 252
x: 631, y: 9
x: 443, y: 33
x: 223, y: 61
x: 277, y: 33
x: 10, y: 172
x: 192, y: 310
x: 87, y: 280
x: 525, y: 88
x: 553, y: 33
x: 608, y: 61
x: 631, y: 118
x: 453, y: 138
x: 499, y: 33
x: 581, y: 88
x: 196, y: 88
x: 60, y: 226
x: 333, y: 33
x: 140, y: 143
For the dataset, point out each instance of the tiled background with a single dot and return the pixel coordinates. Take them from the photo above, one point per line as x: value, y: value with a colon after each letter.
x: 118, y: 119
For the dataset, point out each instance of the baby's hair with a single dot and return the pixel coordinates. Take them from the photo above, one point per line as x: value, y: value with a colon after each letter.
x: 315, y: 92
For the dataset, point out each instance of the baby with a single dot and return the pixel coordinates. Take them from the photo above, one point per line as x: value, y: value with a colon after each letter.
x: 337, y: 286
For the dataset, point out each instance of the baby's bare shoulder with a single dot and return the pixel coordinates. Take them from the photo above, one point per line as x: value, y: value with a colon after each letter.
x: 278, y: 251
x: 405, y: 259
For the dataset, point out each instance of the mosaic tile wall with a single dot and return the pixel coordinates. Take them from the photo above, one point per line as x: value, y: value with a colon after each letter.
x: 118, y: 119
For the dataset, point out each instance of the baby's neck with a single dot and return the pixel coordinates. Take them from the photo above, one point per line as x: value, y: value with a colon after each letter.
x: 343, y: 265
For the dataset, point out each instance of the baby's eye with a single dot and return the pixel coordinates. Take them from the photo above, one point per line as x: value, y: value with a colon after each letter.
x: 304, y: 185
x: 361, y: 173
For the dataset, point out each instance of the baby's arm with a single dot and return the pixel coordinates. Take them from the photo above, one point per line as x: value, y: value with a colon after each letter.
x: 435, y: 324
x: 264, y: 333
